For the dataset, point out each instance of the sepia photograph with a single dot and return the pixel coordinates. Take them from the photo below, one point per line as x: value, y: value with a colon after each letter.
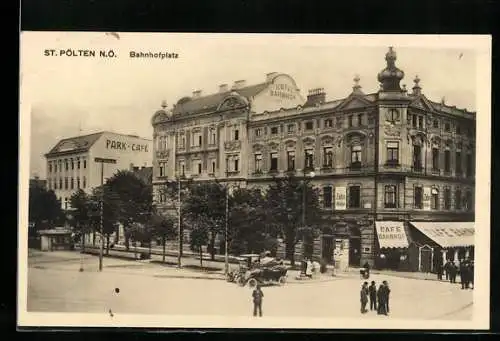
x: 173, y: 180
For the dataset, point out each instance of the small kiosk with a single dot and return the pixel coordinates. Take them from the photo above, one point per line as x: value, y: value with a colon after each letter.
x: 55, y: 239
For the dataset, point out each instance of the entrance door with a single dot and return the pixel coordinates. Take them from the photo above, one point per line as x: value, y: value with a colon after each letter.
x: 355, y: 252
x: 327, y: 248
x: 425, y: 259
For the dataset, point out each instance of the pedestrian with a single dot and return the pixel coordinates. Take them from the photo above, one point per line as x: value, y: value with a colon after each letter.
x: 468, y: 274
x: 439, y: 270
x: 257, y: 296
x: 463, y: 273
x: 453, y: 272
x: 447, y: 269
x: 471, y: 278
x: 309, y: 266
x: 364, y: 297
x: 387, y: 291
x: 381, y: 300
x: 372, y: 289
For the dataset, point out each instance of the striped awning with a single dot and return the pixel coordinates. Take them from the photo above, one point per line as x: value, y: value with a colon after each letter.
x: 448, y: 234
x: 391, y: 234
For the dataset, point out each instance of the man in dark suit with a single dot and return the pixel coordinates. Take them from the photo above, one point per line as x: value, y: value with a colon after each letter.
x: 372, y: 290
x: 386, y: 292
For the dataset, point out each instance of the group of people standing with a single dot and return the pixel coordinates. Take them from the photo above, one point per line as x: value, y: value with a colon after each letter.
x: 379, y: 298
x: 464, y: 268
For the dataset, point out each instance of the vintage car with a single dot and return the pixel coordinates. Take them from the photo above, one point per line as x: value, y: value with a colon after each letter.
x: 252, y: 271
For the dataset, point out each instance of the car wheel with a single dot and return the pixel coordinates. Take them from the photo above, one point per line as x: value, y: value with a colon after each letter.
x: 282, y: 280
x: 252, y: 282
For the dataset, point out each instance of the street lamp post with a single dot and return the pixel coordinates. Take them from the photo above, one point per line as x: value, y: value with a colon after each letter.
x: 226, y: 254
x: 102, y: 161
x: 179, y: 222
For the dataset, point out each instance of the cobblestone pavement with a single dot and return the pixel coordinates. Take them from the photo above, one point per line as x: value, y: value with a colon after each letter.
x: 55, y: 284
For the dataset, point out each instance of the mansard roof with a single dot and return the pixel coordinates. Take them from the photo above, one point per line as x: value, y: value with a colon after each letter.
x: 188, y: 105
x: 75, y: 144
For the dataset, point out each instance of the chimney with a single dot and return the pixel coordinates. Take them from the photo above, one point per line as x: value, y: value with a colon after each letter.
x: 239, y: 84
x: 197, y: 94
x: 316, y: 96
x: 269, y: 76
x: 223, y: 88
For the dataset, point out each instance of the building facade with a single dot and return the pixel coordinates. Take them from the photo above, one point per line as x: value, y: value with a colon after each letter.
x: 380, y: 160
x: 72, y: 164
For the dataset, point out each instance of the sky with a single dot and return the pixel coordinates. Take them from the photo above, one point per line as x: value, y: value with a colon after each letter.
x: 80, y: 95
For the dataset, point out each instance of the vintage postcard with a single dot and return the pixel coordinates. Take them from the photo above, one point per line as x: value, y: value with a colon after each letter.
x: 254, y: 181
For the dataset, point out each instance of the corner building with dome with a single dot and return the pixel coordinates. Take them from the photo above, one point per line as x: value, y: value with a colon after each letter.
x: 395, y: 170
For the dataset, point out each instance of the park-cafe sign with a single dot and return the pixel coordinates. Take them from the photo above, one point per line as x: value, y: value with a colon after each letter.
x: 120, y: 145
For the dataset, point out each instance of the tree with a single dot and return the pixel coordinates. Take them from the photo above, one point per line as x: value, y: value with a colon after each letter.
x: 163, y: 227
x: 286, y: 209
x: 80, y: 202
x: 130, y: 199
x: 205, y: 206
x: 44, y: 210
x: 199, y: 237
x: 109, y: 216
x: 248, y: 221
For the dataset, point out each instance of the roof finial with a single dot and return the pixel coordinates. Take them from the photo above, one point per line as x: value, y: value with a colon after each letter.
x: 356, y: 88
x: 417, y: 89
x: 164, y: 104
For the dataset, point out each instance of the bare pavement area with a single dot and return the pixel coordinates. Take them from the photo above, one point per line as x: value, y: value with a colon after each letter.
x: 55, y: 284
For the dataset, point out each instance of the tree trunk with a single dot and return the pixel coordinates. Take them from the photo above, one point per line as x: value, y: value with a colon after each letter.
x: 201, y: 257
x: 164, y: 242
x: 290, y: 250
x: 212, y: 246
x: 135, y: 249
x: 150, y: 241
x: 93, y: 238
x: 107, y: 245
x: 127, y: 242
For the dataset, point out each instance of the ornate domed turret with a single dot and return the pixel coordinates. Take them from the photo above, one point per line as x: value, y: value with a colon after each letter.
x: 162, y: 114
x: 356, y: 89
x: 390, y: 77
x: 417, y: 90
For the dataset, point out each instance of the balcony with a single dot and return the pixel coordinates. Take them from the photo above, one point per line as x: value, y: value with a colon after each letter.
x: 355, y: 166
x: 162, y: 154
x: 417, y: 168
x: 435, y: 171
x: 392, y: 164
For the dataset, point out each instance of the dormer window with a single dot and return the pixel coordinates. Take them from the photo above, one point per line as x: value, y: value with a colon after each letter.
x: 328, y: 123
x: 291, y: 128
x: 309, y: 125
x: 274, y: 130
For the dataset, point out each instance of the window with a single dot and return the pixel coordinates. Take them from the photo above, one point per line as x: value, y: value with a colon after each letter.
x: 66, y: 164
x: 65, y: 183
x: 420, y: 122
x: 84, y: 182
x: 338, y: 122
x: 435, y: 124
x: 435, y: 159
x: 356, y: 156
x: 447, y: 199
x: 182, y: 143
x: 213, y: 136
x: 349, y: 121
x: 78, y: 182
x: 78, y: 163
x: 213, y: 166
x: 328, y: 123
x: 447, y: 161
x: 328, y: 157
x: 417, y: 158
x: 393, y: 115
x: 469, y: 165
x: 458, y: 129
x: 232, y: 164
x: 309, y: 159
x: 458, y: 199
x: 236, y: 135
x: 84, y: 164
x: 360, y: 120
x: 414, y: 120
x: 60, y: 183
x: 65, y: 203
x: 468, y: 201
x: 390, y: 196
x: 55, y: 183
x: 309, y: 125
x: 50, y: 167
x: 290, y: 156
x: 291, y: 128
x: 72, y: 183
x: 327, y: 197
x: 447, y: 127
x: 274, y: 130
x: 258, y: 162
x: 182, y: 167
x: 199, y: 140
x: 162, y: 169
x: 393, y: 153
x: 458, y: 163
x: 196, y: 139
x: 199, y: 166
x: 236, y: 168
x: 274, y: 162
x: 418, y: 202
x: 434, y: 198
x: 354, y: 197
x: 258, y: 132
x: 72, y: 164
